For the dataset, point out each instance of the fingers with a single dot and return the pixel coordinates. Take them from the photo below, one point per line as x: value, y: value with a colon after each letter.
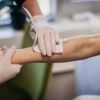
x: 53, y: 42
x: 57, y: 39
x: 32, y: 34
x: 16, y: 68
x: 10, y: 52
x: 2, y: 50
x: 41, y: 43
x: 47, y: 39
x: 13, y: 70
x: 47, y: 43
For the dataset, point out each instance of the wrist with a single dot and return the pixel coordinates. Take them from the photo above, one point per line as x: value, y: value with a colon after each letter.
x: 39, y: 21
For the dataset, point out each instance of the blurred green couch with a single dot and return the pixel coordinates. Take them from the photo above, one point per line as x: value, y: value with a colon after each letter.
x: 33, y: 78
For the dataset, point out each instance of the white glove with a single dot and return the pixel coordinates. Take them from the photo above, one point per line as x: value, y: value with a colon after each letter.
x: 42, y: 33
x: 47, y: 37
x: 58, y: 49
x: 7, y: 69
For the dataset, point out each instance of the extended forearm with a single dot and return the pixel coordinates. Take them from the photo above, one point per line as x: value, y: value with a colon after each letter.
x: 32, y: 7
x: 74, y: 49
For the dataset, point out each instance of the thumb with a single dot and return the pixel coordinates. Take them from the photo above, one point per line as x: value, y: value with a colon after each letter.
x: 10, y: 52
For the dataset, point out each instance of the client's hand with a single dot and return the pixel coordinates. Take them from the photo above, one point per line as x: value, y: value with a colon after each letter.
x: 7, y: 69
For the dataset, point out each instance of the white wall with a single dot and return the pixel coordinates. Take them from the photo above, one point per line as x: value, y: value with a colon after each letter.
x: 67, y: 8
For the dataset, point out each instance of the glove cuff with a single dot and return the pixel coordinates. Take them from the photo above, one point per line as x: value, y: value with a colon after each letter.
x: 36, y: 21
x: 39, y: 21
x: 39, y: 18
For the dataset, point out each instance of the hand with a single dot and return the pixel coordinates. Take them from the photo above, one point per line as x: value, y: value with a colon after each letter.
x: 47, y: 38
x: 7, y: 69
x: 41, y: 32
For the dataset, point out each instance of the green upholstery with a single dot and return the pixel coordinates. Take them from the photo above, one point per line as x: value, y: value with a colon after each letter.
x: 10, y: 92
x: 33, y: 78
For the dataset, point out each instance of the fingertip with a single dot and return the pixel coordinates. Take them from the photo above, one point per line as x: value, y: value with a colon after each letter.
x: 43, y: 53
x: 42, y: 50
x: 53, y: 49
x: 20, y: 66
x: 49, y: 54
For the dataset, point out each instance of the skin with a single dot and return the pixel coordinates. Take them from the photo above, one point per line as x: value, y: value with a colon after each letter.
x: 74, y: 49
x: 32, y: 6
x: 40, y: 26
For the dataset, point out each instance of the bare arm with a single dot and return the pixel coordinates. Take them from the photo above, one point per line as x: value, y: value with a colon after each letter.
x: 74, y: 49
x: 32, y: 7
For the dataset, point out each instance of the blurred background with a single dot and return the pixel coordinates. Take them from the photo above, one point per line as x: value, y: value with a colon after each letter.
x: 71, y: 18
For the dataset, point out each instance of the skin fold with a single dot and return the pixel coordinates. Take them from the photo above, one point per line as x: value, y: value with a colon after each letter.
x: 74, y: 49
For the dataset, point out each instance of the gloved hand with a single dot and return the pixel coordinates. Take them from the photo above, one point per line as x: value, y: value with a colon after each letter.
x: 42, y: 33
x: 47, y: 37
x: 58, y: 49
x: 7, y: 69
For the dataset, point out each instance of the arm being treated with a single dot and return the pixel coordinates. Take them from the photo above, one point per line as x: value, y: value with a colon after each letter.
x: 74, y: 49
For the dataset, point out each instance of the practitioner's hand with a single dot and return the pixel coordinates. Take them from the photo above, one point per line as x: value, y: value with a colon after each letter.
x: 47, y: 38
x: 7, y: 69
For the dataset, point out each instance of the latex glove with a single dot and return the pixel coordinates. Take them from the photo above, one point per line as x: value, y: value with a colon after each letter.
x: 7, y: 69
x: 58, y: 49
x: 47, y: 38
